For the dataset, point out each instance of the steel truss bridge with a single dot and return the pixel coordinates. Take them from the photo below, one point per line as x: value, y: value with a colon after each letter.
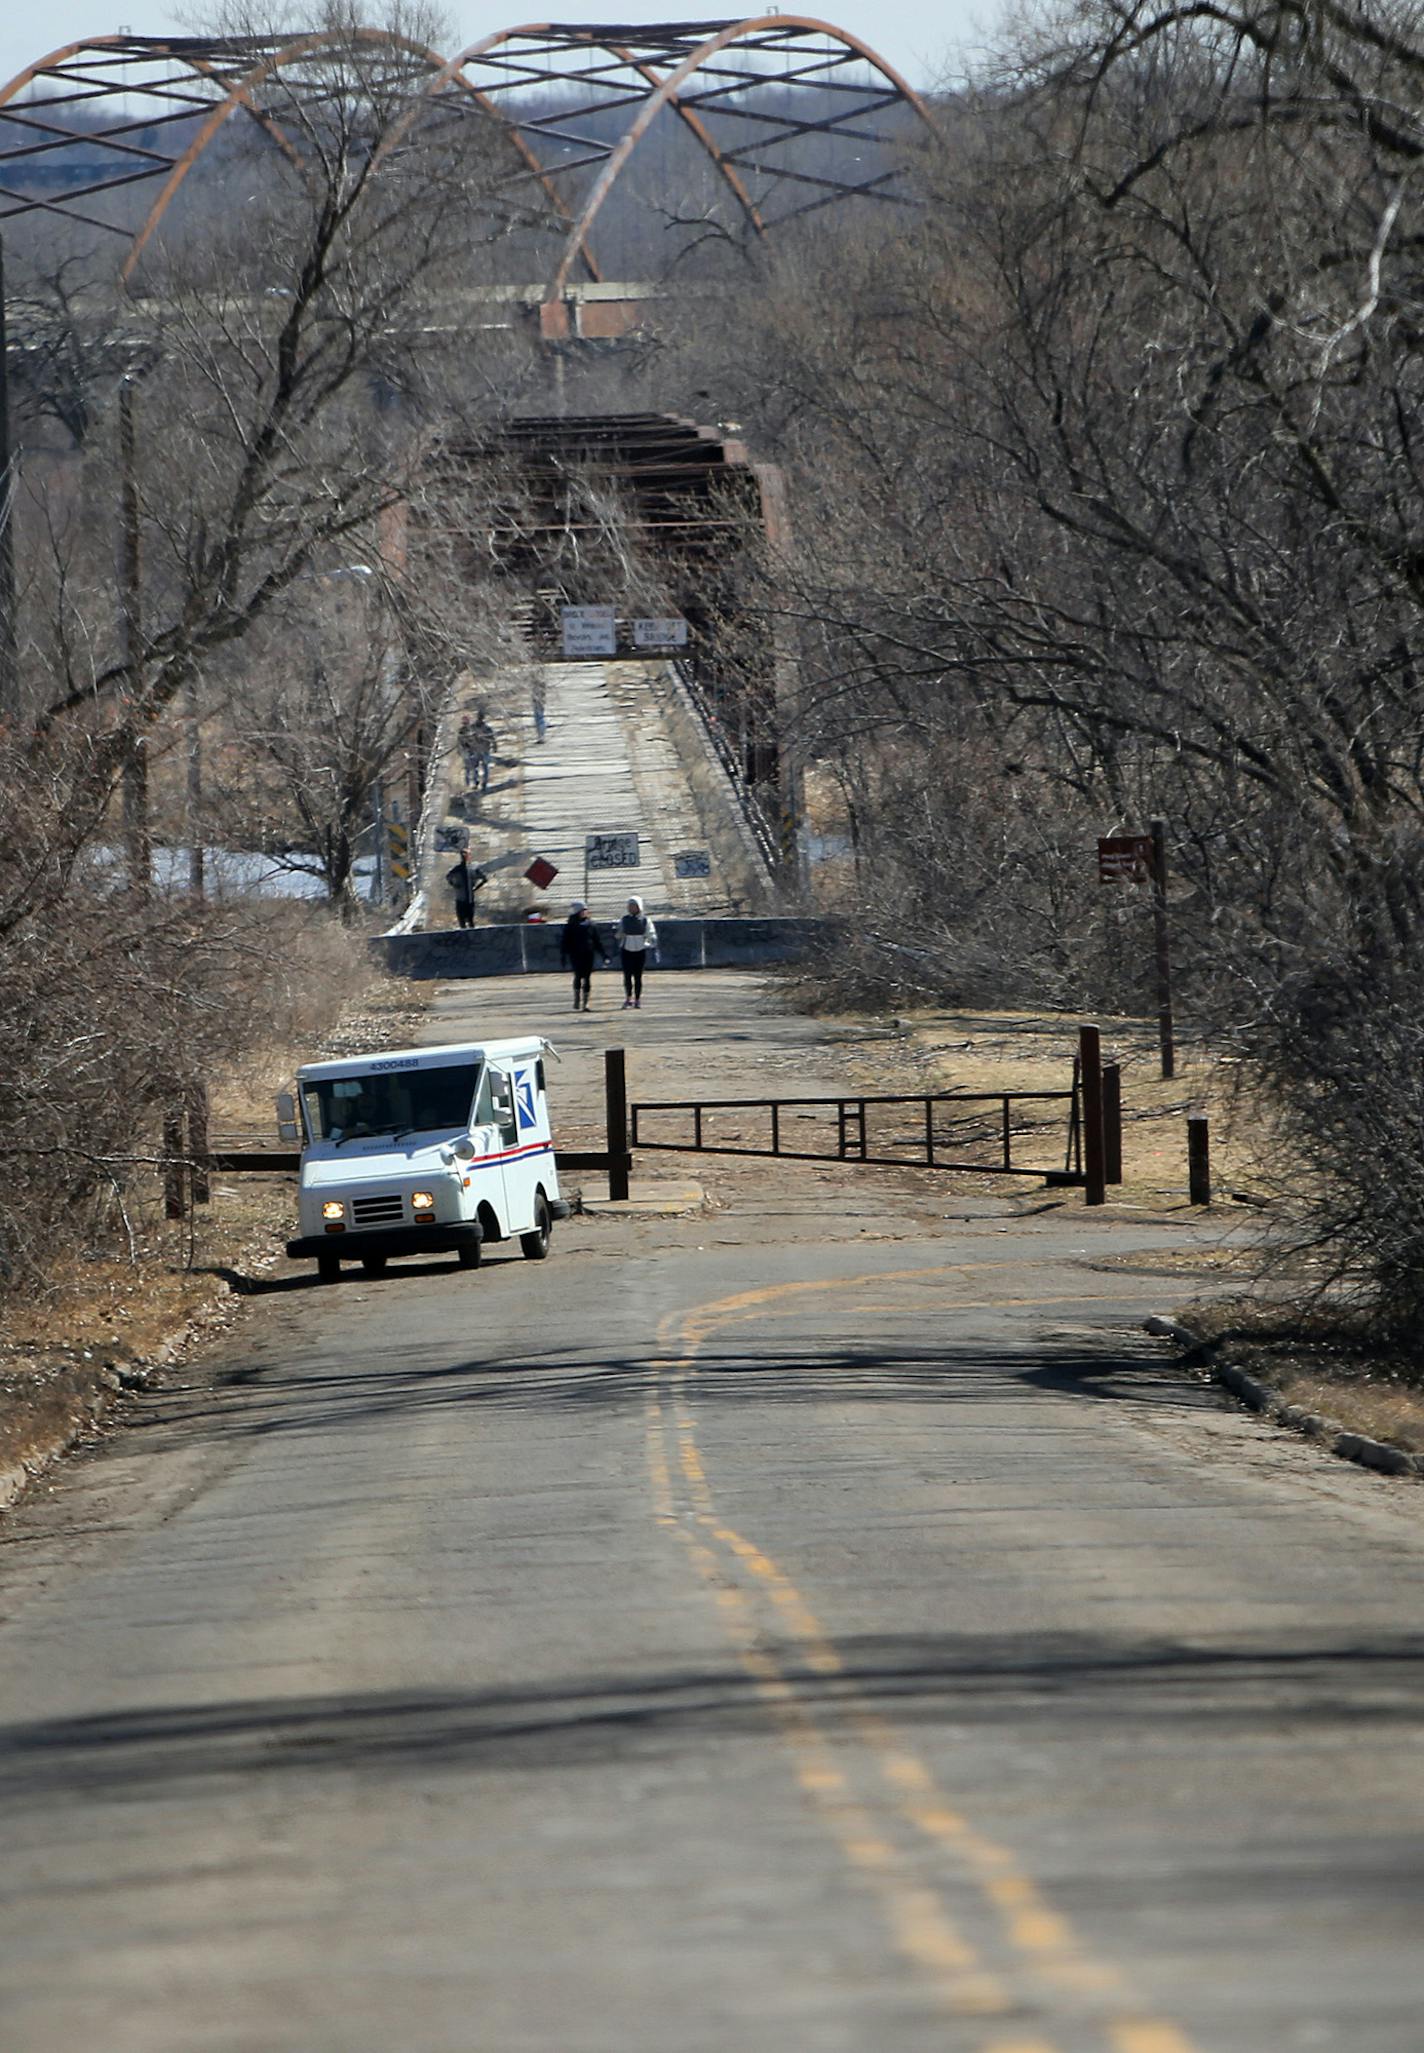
x: 792, y: 114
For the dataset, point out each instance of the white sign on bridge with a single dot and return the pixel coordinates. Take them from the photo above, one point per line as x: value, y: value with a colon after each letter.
x: 660, y: 634
x: 589, y: 630
x: 611, y: 852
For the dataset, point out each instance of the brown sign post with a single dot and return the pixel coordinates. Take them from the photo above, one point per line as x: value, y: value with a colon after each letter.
x: 1142, y: 859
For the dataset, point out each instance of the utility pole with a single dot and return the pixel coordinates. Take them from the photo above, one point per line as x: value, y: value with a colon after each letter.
x: 138, y: 845
x: 9, y: 664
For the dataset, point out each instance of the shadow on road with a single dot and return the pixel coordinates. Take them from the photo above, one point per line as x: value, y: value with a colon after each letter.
x: 320, y: 1392
x: 243, y: 1285
x: 1069, y: 1681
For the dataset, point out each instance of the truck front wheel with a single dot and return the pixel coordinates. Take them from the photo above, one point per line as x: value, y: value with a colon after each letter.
x: 328, y: 1267
x: 467, y: 1254
x: 536, y: 1244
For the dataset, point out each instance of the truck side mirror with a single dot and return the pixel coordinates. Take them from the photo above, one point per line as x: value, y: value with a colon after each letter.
x: 287, y: 1117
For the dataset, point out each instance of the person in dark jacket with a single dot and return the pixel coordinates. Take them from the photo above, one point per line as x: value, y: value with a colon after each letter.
x: 465, y: 879
x: 579, y: 942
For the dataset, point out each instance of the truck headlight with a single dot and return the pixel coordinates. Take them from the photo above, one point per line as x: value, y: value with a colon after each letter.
x: 333, y: 1209
x: 422, y: 1201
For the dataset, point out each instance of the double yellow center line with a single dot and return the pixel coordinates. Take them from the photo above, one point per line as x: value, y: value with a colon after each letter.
x: 870, y: 1789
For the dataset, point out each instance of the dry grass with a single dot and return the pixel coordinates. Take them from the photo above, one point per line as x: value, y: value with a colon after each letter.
x: 1394, y: 1414
x: 977, y: 1050
x: 1324, y: 1361
x: 67, y: 1351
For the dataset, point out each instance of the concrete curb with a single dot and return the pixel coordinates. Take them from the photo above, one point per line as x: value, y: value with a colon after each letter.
x: 1257, y: 1396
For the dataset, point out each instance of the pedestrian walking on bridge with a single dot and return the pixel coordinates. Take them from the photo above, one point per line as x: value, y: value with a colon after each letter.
x: 578, y: 944
x: 478, y: 744
x: 465, y: 879
x: 637, y: 940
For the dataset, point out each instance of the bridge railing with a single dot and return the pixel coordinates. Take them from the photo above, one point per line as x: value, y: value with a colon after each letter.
x: 763, y: 830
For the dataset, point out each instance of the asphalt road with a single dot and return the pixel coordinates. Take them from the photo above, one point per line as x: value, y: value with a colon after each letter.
x: 815, y: 1623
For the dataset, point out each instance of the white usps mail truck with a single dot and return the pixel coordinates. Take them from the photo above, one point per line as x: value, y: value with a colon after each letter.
x: 416, y: 1151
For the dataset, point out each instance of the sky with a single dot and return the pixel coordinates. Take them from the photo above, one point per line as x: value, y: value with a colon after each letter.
x: 925, y: 39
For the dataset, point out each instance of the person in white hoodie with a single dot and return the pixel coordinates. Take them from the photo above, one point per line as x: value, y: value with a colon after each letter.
x: 637, y: 940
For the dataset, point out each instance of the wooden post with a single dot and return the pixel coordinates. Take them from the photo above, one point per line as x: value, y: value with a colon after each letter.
x: 1199, y: 1160
x: 1161, y: 948
x: 1112, y: 1122
x: 615, y: 1101
x: 1090, y: 1055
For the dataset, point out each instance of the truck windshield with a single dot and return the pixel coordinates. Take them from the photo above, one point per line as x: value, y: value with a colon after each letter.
x: 342, y: 1108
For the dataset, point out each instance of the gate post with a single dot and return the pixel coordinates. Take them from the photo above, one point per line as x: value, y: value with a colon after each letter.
x: 1094, y: 1167
x: 1112, y: 1122
x: 615, y: 1103
x: 1198, y: 1161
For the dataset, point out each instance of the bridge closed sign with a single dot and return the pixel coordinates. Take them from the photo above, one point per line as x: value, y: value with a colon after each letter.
x: 589, y: 630
x: 660, y: 634
x: 610, y: 852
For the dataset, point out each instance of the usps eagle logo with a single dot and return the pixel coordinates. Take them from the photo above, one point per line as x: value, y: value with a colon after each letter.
x: 524, y: 1098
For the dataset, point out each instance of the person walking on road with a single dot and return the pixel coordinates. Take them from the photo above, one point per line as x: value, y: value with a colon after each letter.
x: 637, y: 940
x: 477, y: 743
x: 578, y: 944
x: 465, y: 879
x: 538, y: 695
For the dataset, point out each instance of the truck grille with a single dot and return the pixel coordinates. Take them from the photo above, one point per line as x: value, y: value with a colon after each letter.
x: 377, y: 1211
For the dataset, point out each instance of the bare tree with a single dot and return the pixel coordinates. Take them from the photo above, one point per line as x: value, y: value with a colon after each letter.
x: 270, y: 428
x: 1108, y: 489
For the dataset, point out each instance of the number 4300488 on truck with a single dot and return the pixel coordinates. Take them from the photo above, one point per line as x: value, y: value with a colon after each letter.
x: 418, y: 1151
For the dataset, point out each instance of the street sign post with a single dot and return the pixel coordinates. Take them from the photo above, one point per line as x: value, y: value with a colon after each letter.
x: 589, y: 631
x: 660, y: 634
x: 609, y: 852
x: 1142, y: 859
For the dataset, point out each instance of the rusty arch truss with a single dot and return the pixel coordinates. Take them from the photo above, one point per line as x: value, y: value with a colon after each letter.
x: 792, y: 114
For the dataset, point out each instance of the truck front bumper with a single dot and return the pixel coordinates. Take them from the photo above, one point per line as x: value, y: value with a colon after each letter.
x: 435, y: 1239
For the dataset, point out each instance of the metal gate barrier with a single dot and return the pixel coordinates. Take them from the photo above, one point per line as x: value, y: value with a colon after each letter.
x: 958, y: 1130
